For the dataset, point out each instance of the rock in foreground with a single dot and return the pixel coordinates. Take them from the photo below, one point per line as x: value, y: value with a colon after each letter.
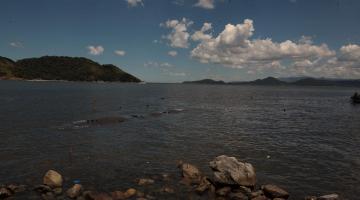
x: 53, y: 179
x: 274, y: 191
x: 228, y: 170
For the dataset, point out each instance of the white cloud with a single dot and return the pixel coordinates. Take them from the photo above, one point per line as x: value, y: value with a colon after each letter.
x: 179, y: 36
x: 201, y: 35
x: 16, y: 44
x: 120, y: 52
x: 179, y: 2
x: 173, y: 53
x: 235, y: 48
x: 206, y: 4
x: 350, y: 52
x: 95, y: 50
x: 134, y: 3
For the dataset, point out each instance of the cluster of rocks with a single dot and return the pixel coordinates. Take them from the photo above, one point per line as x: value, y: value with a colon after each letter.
x: 235, y: 180
x: 231, y: 179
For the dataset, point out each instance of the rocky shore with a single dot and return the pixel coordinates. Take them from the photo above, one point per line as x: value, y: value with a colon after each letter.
x: 231, y: 179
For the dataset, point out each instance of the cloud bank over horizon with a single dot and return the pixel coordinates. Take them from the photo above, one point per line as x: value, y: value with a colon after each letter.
x: 235, y: 47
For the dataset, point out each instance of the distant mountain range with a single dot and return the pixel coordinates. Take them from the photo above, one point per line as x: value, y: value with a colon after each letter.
x: 62, y: 68
x: 205, y: 81
x: 271, y: 81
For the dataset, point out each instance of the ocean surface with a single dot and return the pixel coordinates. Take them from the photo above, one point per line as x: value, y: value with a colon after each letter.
x: 304, y: 139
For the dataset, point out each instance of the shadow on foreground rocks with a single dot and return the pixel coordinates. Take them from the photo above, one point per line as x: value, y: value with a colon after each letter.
x: 231, y: 179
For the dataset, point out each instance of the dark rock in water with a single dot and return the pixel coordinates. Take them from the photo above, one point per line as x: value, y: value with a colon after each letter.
x: 223, y: 191
x: 262, y: 197
x: 329, y: 197
x: 310, y: 198
x: 42, y: 188
x: 117, y: 195
x: 274, y: 191
x: 4, y: 193
x: 16, y: 188
x: 256, y: 194
x: 204, y: 185
x: 89, y: 194
x: 238, y: 196
x: 74, y: 191
x: 138, y: 116
x: 228, y: 170
x: 102, y: 196
x: 106, y: 120
x: 156, y: 114
x: 57, y: 191
x: 48, y: 196
x: 53, y: 179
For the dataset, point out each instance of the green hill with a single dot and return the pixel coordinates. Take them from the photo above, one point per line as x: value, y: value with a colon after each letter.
x: 64, y: 68
x: 7, y: 68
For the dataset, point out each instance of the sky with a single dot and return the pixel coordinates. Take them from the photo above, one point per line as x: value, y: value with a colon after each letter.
x: 182, y: 40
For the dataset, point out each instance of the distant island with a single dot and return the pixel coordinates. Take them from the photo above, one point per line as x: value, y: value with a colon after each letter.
x: 205, y: 81
x: 62, y: 68
x: 271, y: 81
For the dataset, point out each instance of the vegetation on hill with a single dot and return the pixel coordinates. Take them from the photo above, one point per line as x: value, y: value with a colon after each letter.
x: 7, y: 68
x: 64, y: 68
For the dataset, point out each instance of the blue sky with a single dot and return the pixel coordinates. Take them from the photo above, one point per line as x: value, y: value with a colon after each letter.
x: 162, y: 40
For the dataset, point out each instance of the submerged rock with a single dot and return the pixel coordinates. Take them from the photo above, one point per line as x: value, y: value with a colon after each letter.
x: 74, y: 191
x: 274, y: 191
x: 329, y: 197
x: 105, y: 120
x: 118, y: 195
x: 228, y: 170
x: 53, y: 179
x: 145, y: 181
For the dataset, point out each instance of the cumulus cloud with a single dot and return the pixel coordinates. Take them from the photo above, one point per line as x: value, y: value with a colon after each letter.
x: 179, y: 35
x: 172, y: 53
x: 350, y: 52
x: 120, y: 52
x: 95, y: 50
x: 16, y: 44
x: 206, y: 4
x: 134, y: 3
x: 234, y: 47
x: 201, y: 35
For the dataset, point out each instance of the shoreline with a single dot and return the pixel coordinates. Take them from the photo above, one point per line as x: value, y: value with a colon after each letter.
x: 231, y: 179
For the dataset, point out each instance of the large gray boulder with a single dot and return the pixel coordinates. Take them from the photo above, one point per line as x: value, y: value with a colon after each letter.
x: 228, y: 170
